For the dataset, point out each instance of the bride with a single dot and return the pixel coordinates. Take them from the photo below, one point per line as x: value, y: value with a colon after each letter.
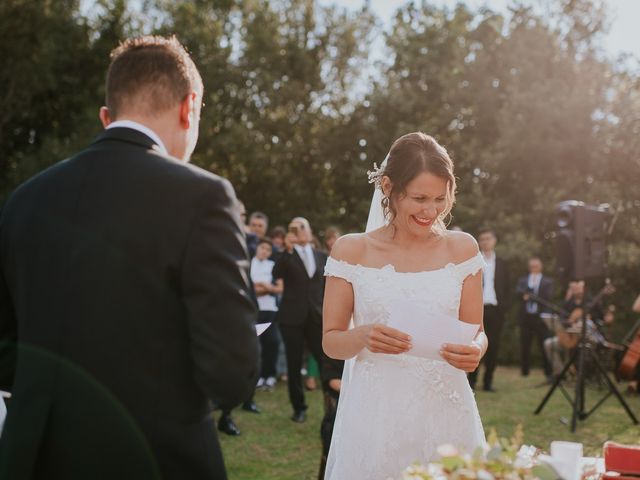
x: 396, y: 409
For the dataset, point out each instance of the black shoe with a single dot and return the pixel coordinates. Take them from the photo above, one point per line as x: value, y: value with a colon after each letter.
x: 228, y: 426
x: 489, y: 389
x: 299, y: 417
x: 250, y: 407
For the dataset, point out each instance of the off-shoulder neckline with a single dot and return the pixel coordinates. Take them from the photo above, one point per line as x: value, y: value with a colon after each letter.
x: 391, y: 268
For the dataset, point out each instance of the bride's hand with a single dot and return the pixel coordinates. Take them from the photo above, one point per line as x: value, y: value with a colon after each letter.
x: 379, y: 338
x: 464, y: 357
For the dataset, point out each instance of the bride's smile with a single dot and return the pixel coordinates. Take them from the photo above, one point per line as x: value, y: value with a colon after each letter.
x: 420, y: 205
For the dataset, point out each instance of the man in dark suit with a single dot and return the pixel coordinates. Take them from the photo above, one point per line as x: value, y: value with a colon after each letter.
x: 531, y: 325
x: 495, y: 293
x: 124, y: 304
x: 300, y: 315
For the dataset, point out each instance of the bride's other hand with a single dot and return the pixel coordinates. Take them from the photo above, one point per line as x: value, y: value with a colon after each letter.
x: 378, y: 338
x: 464, y: 357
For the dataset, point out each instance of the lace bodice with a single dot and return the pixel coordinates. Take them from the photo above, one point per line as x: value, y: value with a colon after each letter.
x: 395, y: 410
x: 374, y: 288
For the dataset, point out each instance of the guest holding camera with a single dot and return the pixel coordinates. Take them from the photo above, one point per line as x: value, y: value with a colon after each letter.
x: 301, y: 267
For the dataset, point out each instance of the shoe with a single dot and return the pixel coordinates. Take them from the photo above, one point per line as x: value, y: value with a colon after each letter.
x: 250, y: 407
x: 270, y: 384
x: 489, y: 389
x: 299, y: 417
x: 261, y: 385
x: 228, y: 426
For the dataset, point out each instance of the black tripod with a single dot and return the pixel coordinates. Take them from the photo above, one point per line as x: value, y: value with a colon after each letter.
x: 583, y: 351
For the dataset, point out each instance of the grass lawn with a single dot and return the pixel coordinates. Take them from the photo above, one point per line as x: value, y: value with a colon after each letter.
x: 273, y: 447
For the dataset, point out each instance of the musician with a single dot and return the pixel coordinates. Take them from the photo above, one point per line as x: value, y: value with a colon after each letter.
x: 578, y: 305
x: 634, y: 385
x: 532, y: 286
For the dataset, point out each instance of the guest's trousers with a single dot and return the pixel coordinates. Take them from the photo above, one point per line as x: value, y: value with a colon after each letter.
x: 531, y: 325
x: 493, y: 320
x: 269, y: 343
x: 295, y: 337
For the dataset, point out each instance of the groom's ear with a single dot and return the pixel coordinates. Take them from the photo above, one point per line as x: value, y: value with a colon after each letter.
x: 105, y: 117
x: 188, y: 110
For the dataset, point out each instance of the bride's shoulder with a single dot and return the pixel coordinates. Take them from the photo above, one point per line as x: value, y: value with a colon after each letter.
x: 350, y: 248
x: 462, y: 246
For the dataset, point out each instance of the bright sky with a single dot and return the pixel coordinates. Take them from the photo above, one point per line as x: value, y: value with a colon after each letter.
x: 624, y: 35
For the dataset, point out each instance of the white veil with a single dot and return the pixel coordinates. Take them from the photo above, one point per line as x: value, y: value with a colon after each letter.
x: 376, y: 220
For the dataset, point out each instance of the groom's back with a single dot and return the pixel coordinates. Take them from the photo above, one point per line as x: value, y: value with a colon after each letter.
x: 93, y: 253
x: 99, y: 240
x: 123, y: 290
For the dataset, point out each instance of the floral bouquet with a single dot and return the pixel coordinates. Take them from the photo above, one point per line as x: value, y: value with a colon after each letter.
x: 502, y: 459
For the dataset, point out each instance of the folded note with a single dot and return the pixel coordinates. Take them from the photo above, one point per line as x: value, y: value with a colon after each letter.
x: 262, y: 327
x: 429, y: 330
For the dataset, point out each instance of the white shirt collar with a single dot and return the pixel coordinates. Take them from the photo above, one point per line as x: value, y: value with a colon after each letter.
x: 140, y: 128
x: 491, y: 257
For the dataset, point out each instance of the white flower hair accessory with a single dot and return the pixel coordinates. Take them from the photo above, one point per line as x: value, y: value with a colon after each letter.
x: 375, y: 175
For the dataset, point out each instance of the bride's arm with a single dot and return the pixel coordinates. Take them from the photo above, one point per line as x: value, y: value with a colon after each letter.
x: 467, y: 357
x: 340, y: 342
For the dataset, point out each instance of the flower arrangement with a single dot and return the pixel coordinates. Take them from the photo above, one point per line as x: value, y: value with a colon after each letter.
x: 502, y: 459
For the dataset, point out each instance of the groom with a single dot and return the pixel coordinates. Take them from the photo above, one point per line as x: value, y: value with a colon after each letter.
x: 124, y: 305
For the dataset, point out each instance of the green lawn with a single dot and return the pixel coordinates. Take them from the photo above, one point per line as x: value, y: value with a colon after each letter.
x: 273, y: 447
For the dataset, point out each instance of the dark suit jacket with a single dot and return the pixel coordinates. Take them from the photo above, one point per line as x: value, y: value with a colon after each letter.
x: 123, y: 281
x: 545, y: 291
x: 302, y: 296
x: 501, y: 284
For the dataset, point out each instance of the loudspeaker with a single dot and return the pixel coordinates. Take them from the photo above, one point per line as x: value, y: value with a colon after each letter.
x: 581, y: 240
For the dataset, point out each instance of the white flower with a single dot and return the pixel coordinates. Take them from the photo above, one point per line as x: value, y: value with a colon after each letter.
x: 447, y: 450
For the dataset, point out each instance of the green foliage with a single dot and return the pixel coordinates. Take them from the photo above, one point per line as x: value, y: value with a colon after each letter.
x: 296, y: 111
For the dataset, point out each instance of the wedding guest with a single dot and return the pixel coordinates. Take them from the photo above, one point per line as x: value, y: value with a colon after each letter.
x: 123, y: 283
x: 266, y: 290
x: 300, y: 316
x: 251, y: 238
x: 532, y: 286
x: 258, y: 224
x: 495, y: 295
x: 277, y: 239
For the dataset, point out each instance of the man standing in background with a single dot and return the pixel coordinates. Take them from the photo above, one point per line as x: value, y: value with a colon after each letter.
x: 300, y: 315
x: 531, y: 286
x: 495, y: 293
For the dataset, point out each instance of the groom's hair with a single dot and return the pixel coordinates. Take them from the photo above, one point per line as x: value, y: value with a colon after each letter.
x: 150, y: 74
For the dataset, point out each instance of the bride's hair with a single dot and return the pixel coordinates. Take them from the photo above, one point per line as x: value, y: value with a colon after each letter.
x: 409, y: 156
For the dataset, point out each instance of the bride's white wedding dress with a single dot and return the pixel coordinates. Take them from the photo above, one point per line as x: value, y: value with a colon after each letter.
x: 395, y: 410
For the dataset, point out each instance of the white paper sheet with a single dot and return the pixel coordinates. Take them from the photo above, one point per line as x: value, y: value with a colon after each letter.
x: 261, y: 328
x: 429, y: 330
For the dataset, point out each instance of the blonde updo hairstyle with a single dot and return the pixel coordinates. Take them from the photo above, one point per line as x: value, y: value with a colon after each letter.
x: 410, y: 155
